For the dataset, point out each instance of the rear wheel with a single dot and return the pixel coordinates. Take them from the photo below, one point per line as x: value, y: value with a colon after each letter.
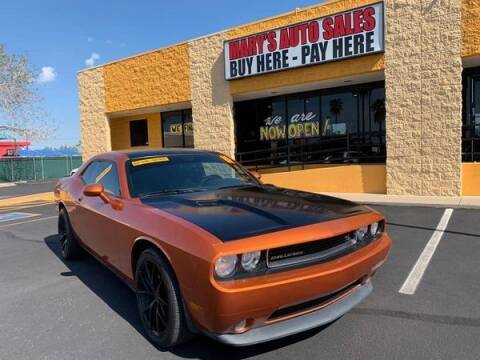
x: 159, y: 301
x: 70, y: 247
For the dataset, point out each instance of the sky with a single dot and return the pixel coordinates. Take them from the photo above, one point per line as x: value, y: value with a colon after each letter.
x: 62, y: 37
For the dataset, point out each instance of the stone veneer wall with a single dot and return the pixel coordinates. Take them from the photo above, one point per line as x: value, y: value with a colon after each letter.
x: 423, y: 79
x: 212, y: 104
x: 94, y: 125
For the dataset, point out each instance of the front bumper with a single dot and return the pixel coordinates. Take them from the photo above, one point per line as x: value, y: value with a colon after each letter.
x: 300, y: 323
x: 219, y: 310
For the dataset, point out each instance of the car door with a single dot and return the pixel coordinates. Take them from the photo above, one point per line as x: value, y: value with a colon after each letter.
x: 95, y: 219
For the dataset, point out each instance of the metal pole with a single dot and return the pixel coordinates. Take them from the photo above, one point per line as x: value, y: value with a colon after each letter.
x: 34, y: 169
x: 43, y: 168
x: 11, y: 168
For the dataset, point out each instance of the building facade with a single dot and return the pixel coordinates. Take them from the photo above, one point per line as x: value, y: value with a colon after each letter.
x: 346, y: 95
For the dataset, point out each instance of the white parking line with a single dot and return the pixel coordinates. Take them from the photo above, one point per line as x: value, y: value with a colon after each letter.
x: 411, y: 283
x: 28, y: 221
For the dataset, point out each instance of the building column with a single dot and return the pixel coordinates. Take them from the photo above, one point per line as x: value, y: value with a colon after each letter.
x: 423, y: 80
x: 94, y: 124
x: 212, y: 104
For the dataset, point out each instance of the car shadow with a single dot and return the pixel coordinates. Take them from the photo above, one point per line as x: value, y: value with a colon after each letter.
x: 121, y: 299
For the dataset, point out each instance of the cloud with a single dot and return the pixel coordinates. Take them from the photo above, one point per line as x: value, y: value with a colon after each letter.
x: 90, y: 39
x: 48, y: 74
x: 108, y: 41
x: 91, y: 60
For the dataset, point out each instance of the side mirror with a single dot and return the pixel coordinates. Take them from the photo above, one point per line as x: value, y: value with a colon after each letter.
x: 256, y: 175
x: 93, y: 190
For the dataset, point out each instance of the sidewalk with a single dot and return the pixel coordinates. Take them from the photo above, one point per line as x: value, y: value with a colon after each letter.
x: 469, y: 202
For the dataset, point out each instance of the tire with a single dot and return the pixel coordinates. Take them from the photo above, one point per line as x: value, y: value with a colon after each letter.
x: 159, y: 301
x: 70, y: 247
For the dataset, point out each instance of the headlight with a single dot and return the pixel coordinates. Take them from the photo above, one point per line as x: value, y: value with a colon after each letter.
x: 375, y: 229
x: 225, y: 266
x: 250, y: 260
x: 361, y: 233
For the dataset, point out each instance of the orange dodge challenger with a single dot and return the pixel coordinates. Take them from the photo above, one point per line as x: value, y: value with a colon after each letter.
x: 210, y: 249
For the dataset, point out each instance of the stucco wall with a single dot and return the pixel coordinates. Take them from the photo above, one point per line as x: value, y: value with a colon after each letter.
x: 120, y: 131
x: 471, y: 179
x: 157, y: 78
x: 211, y: 100
x: 341, y: 178
x: 94, y: 126
x: 471, y: 27
x: 357, y: 66
x: 423, y: 74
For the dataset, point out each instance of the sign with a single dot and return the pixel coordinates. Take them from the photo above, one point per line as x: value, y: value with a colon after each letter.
x: 177, y: 129
x: 341, y: 36
x: 300, y: 126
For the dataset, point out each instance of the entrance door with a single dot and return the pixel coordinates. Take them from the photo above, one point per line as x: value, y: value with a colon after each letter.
x: 476, y: 106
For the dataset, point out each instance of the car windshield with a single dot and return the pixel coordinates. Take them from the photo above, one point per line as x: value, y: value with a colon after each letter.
x: 182, y: 173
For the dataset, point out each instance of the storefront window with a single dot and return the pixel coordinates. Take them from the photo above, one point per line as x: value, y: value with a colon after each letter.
x: 339, y: 114
x: 471, y: 115
x: 138, y: 133
x: 177, y: 128
x: 343, y: 125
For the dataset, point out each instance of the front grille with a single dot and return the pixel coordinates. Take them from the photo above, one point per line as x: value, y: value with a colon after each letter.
x: 313, y: 251
x: 311, y: 304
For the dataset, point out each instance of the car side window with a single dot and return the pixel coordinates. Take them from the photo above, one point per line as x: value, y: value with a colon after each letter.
x: 90, y: 173
x: 108, y: 177
x: 105, y: 173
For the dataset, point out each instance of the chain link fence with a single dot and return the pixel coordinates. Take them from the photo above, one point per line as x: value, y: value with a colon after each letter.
x: 37, y: 168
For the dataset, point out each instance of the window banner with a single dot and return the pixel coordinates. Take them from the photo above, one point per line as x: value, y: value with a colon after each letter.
x: 349, y: 34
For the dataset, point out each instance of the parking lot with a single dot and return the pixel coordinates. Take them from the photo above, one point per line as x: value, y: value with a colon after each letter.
x: 55, y: 310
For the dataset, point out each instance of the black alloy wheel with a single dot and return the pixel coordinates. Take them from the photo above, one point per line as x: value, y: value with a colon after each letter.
x: 70, y: 247
x: 159, y: 302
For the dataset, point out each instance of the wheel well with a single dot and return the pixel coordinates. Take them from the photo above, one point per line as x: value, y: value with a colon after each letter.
x: 140, y: 246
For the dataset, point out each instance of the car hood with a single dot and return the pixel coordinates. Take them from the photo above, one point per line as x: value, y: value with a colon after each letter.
x: 236, y: 213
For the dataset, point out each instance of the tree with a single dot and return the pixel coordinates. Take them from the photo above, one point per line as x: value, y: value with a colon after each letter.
x: 336, y: 107
x: 19, y: 99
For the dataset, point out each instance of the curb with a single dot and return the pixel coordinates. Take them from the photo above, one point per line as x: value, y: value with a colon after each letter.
x: 9, y: 184
x: 26, y: 199
x: 415, y: 204
x: 461, y: 202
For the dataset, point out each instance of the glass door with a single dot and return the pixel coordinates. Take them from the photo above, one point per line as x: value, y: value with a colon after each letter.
x: 476, y: 105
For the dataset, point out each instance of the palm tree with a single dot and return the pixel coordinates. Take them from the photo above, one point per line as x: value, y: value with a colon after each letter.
x: 336, y: 107
x: 379, y: 111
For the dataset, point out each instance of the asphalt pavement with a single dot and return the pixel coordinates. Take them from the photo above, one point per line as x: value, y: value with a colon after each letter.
x: 50, y: 309
x: 26, y: 188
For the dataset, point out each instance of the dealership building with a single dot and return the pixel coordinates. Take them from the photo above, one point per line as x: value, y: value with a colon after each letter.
x: 343, y: 96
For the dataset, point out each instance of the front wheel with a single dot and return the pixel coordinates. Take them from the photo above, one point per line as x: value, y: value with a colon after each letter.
x: 70, y: 247
x: 159, y: 301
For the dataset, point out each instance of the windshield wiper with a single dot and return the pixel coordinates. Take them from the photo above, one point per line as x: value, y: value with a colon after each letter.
x: 171, y: 192
x: 237, y: 186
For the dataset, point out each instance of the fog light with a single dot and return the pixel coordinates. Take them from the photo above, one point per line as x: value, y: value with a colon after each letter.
x: 243, y: 326
x: 240, y: 326
x: 250, y: 260
x: 361, y: 233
